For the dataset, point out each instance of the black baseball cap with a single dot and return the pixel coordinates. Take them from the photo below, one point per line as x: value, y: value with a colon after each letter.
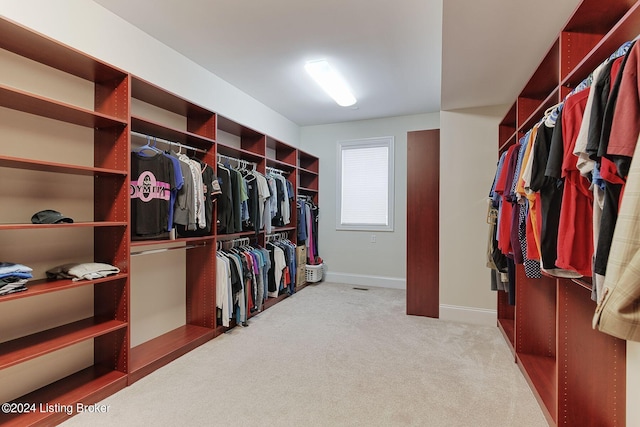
x: 49, y: 216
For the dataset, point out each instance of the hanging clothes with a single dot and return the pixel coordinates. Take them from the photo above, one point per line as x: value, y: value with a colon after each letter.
x: 226, y: 224
x: 575, y: 238
x: 308, y: 228
x: 152, y: 180
x: 572, y: 165
x: 207, y: 183
x: 184, y: 208
x: 241, y: 282
x: 288, y: 278
x: 277, y: 271
x: 245, y: 201
x: 618, y: 311
x: 301, y: 225
x: 179, y: 183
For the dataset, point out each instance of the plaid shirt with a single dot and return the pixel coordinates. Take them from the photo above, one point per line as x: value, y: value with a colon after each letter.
x: 618, y: 312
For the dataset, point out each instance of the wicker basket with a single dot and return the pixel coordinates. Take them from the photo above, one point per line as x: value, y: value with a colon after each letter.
x: 314, y: 273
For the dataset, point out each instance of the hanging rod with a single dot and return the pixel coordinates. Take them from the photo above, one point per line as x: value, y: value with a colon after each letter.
x: 233, y: 243
x: 276, y: 170
x: 176, y: 144
x: 155, y: 251
x: 277, y: 236
x: 238, y: 161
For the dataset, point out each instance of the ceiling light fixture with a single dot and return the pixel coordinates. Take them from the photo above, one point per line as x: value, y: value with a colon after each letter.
x: 330, y: 81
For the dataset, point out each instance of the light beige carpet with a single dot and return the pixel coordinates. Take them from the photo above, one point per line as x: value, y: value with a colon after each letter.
x: 334, y: 356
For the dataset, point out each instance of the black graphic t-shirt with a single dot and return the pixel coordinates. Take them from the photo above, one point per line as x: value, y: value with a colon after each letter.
x: 152, y: 179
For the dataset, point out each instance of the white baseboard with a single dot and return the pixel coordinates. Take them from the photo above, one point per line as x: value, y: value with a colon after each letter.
x: 476, y: 316
x: 362, y: 280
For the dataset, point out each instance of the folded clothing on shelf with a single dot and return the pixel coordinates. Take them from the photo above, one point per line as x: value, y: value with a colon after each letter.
x: 7, y: 268
x: 82, y: 271
x: 13, y: 277
x: 7, y: 288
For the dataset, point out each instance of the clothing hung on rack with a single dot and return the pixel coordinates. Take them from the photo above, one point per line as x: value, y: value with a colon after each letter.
x: 248, y: 275
x: 282, y: 276
x: 618, y: 312
x: 241, y: 279
x: 557, y: 190
x: 307, y: 227
x: 170, y: 190
x: 280, y: 204
x: 252, y: 201
x: 199, y: 193
x: 152, y: 180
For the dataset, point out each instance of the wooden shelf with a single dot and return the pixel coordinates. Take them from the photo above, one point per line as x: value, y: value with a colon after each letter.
x: 307, y: 190
x: 550, y: 328
x: 596, y: 16
x: 509, y: 142
x: 625, y: 30
x: 154, y: 95
x: 287, y: 167
x: 584, y: 282
x: 223, y: 237
x: 155, y: 353
x: 284, y: 154
x: 36, y: 345
x: 44, y: 166
x: 175, y: 135
x: 537, y: 110
x: 49, y: 108
x: 88, y: 386
x: 251, y: 141
x: 63, y: 225
x: 307, y: 171
x: 106, y: 156
x: 507, y: 327
x: 281, y: 229
x: 308, y: 162
x: 43, y: 286
x: 308, y: 181
x: 238, y: 153
x: 540, y: 373
x: 545, y: 78
x: 177, y: 240
x: 582, y: 348
x: 199, y: 280
x: 40, y: 48
x: 233, y: 128
x: 116, y: 364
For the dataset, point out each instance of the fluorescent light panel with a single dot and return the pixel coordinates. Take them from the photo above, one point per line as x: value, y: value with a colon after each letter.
x: 330, y: 81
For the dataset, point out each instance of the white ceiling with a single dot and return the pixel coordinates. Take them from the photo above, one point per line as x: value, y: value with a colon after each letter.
x: 401, y: 57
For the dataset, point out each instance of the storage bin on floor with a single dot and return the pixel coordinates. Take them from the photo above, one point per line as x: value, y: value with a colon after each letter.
x: 314, y: 273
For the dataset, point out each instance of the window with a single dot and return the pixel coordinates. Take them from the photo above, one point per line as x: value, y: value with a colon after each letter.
x: 365, y: 185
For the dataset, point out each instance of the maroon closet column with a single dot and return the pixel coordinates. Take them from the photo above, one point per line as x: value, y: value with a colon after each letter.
x: 423, y: 205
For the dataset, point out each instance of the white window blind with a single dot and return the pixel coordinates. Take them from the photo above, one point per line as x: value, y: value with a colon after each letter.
x: 365, y: 184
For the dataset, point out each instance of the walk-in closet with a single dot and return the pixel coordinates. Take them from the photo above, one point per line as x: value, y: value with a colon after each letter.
x: 167, y: 257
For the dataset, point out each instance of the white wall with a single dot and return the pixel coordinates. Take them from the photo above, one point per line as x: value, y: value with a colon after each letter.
x: 92, y: 29
x: 349, y: 255
x: 468, y: 156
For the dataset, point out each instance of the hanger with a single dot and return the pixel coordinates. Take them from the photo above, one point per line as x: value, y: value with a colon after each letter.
x: 148, y: 149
